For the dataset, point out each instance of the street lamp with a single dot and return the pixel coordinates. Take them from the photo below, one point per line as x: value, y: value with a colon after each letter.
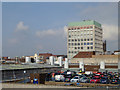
x: 24, y: 75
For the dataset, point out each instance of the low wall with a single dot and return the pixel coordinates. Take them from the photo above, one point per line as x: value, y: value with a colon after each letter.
x: 96, y: 59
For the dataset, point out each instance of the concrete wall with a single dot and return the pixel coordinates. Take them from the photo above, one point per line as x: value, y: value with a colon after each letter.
x: 97, y: 59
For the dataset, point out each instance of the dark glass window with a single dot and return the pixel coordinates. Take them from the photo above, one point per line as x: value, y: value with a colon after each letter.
x: 88, y: 39
x: 84, y: 43
x: 78, y: 39
x: 75, y: 43
x: 91, y: 47
x: 88, y: 43
x: 75, y: 47
x: 81, y: 47
x: 84, y: 39
x: 81, y: 43
x: 91, y: 39
x: 91, y: 43
x: 78, y: 47
x: 78, y: 43
x: 87, y: 47
x: 75, y: 39
x: 81, y: 39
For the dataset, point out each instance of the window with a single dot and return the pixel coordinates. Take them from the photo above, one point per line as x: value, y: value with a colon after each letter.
x: 69, y: 40
x: 81, y: 47
x: 78, y: 39
x: 88, y: 39
x: 81, y: 43
x: 78, y: 47
x: 75, y: 39
x: 87, y: 47
x: 88, y: 43
x: 75, y: 43
x: 78, y: 43
x: 91, y: 26
x: 91, y: 39
x: 84, y: 43
x: 69, y: 43
x: 81, y: 39
x: 75, y: 47
x: 91, y: 43
x: 72, y: 40
x: 69, y: 36
x: 84, y: 39
x: 91, y: 47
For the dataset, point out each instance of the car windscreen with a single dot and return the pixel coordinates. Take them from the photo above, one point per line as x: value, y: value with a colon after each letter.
x: 75, y: 77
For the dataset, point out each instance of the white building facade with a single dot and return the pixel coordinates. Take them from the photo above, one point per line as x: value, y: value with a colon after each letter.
x: 84, y: 36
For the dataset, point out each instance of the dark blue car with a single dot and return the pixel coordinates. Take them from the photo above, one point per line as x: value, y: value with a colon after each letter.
x: 104, y: 80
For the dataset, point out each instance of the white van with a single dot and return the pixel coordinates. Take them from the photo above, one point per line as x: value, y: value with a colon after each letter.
x: 59, y: 78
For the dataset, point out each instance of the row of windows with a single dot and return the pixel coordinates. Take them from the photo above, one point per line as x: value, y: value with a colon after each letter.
x: 81, y: 36
x: 72, y: 52
x: 88, y: 43
x: 98, y: 32
x: 81, y: 32
x: 98, y: 44
x: 98, y: 28
x: 86, y: 27
x: 98, y: 35
x: 81, y: 39
x: 98, y: 47
x: 97, y: 39
x: 82, y: 47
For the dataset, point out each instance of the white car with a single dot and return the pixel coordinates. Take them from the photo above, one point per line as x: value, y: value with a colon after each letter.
x: 75, y: 79
x: 59, y: 78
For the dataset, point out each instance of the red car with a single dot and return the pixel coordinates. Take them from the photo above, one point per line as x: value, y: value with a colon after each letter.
x: 97, y: 76
x: 95, y: 80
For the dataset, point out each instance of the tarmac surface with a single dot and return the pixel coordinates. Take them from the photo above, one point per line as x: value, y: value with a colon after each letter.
x: 14, y: 85
x: 52, y: 84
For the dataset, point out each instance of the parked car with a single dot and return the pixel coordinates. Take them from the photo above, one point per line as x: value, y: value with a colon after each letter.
x: 95, y: 80
x: 104, y: 80
x: 68, y: 77
x: 85, y: 80
x: 75, y: 79
x: 59, y: 78
x: 97, y: 76
x: 114, y: 81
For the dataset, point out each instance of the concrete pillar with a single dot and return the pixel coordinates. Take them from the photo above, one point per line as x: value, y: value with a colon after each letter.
x: 60, y: 60
x: 66, y: 63
x: 51, y: 59
x: 102, y: 65
x: 119, y: 66
x: 81, y: 65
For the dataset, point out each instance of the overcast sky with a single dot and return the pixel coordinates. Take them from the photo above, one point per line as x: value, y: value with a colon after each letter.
x: 39, y: 27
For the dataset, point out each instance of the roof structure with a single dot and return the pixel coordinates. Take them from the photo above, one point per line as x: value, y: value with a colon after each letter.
x: 84, y: 23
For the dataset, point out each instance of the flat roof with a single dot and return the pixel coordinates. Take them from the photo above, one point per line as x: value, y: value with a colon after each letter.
x: 25, y: 66
x: 84, y: 23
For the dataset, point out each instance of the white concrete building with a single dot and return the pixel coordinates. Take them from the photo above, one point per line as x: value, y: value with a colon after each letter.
x: 84, y: 36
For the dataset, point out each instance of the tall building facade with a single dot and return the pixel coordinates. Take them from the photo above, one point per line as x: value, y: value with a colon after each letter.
x: 84, y: 36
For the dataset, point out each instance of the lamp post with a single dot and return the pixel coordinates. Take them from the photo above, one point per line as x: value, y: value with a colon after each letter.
x: 24, y: 75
